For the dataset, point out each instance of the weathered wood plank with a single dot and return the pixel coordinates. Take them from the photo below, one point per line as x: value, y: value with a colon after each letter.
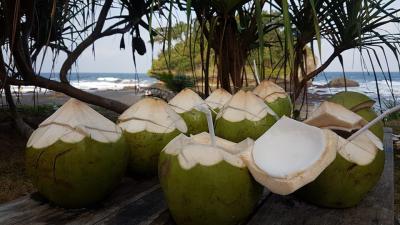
x: 29, y: 211
x: 376, y: 208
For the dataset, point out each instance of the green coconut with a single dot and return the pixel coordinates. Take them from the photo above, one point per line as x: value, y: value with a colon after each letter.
x: 352, y: 100
x: 217, y: 100
x: 76, y: 156
x: 317, y: 164
x: 206, y: 184
x: 275, y: 97
x: 244, y: 116
x: 185, y: 103
x: 346, y: 181
x: 148, y: 126
x: 369, y: 115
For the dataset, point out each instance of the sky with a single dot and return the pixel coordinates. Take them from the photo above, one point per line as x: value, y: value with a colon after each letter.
x: 108, y: 58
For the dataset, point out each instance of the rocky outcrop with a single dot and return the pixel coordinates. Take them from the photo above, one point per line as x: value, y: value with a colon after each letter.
x: 342, y: 82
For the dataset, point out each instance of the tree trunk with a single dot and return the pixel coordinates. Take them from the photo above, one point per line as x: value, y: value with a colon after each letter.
x: 230, y: 54
x: 24, y: 129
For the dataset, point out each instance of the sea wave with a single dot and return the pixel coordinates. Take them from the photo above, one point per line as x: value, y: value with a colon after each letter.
x: 100, y: 84
x: 110, y: 79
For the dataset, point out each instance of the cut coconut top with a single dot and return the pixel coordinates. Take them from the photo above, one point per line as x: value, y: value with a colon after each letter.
x: 197, y: 149
x: 269, y: 91
x: 245, y: 105
x: 153, y: 115
x: 362, y: 150
x: 334, y: 116
x: 218, y: 98
x: 290, y: 155
x: 185, y: 101
x: 71, y: 123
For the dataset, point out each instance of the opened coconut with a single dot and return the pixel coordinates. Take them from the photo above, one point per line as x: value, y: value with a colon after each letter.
x: 275, y: 97
x: 205, y: 183
x: 244, y: 116
x: 76, y: 156
x: 148, y: 126
x: 217, y: 100
x: 290, y: 155
x: 358, y: 164
x: 185, y: 103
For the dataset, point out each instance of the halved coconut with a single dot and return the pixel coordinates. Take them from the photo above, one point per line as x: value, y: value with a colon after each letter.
x: 76, y: 156
x: 275, y: 97
x: 354, y: 172
x: 185, y: 104
x: 244, y: 116
x: 148, y: 126
x: 290, y: 155
x: 206, y: 184
x: 217, y: 100
x: 351, y: 100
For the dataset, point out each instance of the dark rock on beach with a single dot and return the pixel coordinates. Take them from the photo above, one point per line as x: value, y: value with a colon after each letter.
x: 342, y: 82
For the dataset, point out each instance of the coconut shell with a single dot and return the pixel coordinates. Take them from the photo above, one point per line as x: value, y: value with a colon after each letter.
x: 343, y: 184
x: 75, y: 175
x: 352, y: 100
x: 145, y: 148
x: 219, y: 194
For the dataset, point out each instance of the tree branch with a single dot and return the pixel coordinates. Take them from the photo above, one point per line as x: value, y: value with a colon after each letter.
x: 71, y: 59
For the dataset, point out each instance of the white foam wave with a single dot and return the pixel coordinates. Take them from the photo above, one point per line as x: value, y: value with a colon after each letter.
x: 110, y: 79
x: 98, y: 85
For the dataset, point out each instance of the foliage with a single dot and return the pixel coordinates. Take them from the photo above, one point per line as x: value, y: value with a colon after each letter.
x: 176, y: 82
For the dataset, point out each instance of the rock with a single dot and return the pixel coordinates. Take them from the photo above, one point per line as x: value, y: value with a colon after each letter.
x: 341, y: 82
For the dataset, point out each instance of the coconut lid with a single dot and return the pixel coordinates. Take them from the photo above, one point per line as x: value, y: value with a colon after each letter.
x: 334, y: 116
x: 71, y: 123
x: 269, y: 91
x: 197, y: 149
x: 245, y: 105
x: 153, y: 115
x: 185, y: 101
x: 363, y: 149
x: 218, y: 98
x: 290, y: 155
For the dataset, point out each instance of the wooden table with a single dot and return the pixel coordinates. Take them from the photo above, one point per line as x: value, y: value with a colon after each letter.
x: 142, y: 202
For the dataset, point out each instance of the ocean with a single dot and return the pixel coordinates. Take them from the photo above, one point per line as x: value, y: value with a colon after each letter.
x: 100, y: 81
x: 119, y: 81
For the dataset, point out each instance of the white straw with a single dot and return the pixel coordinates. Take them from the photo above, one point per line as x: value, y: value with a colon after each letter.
x: 210, y: 124
x: 256, y: 73
x: 373, y: 122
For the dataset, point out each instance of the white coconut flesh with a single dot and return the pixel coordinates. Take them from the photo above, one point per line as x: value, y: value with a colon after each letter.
x: 290, y: 155
x: 185, y: 101
x: 71, y: 123
x: 363, y: 149
x: 218, y: 99
x: 152, y: 115
x: 336, y: 117
x: 197, y: 150
x: 245, y: 105
x: 269, y: 91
